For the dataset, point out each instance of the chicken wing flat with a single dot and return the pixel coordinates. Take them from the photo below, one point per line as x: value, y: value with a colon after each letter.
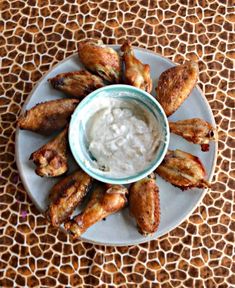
x: 104, y: 201
x: 194, y: 130
x: 144, y: 205
x: 47, y: 117
x: 175, y: 85
x: 66, y: 195
x: 101, y: 60
x: 136, y: 73
x: 77, y: 84
x: 51, y: 159
x: 183, y: 170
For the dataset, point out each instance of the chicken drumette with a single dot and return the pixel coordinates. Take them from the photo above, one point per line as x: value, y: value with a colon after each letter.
x: 183, y: 170
x: 136, y: 73
x: 77, y: 84
x: 51, y: 159
x: 105, y: 200
x: 144, y: 205
x: 66, y: 195
x: 101, y: 60
x: 195, y: 130
x: 47, y: 117
x: 175, y: 85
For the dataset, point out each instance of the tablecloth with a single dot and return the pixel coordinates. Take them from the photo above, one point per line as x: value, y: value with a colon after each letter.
x: 37, y: 34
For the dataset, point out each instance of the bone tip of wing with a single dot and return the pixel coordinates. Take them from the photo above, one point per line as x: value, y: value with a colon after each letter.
x: 98, y: 42
x: 126, y: 46
x: 57, y: 81
x: 146, y: 233
x: 75, y: 101
x: 205, y: 184
x: 67, y: 225
x: 89, y: 41
x: 81, y: 44
x: 73, y: 229
x: 142, y: 232
x: 22, y: 120
x: 192, y: 63
x: 118, y: 189
x: 201, y: 184
x: 39, y: 172
x: 194, y: 66
x: 147, y: 69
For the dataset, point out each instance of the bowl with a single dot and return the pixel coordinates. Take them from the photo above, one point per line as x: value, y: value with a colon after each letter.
x: 100, y: 99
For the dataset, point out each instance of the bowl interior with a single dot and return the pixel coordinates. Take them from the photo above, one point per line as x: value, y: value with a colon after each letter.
x: 98, y: 100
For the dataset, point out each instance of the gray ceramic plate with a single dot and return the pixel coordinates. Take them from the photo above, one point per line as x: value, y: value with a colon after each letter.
x: 120, y: 229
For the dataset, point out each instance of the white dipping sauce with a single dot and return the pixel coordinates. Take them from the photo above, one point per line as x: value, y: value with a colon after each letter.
x: 123, y: 138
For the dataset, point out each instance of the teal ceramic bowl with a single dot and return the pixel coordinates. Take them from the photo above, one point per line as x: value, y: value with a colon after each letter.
x: 90, y: 105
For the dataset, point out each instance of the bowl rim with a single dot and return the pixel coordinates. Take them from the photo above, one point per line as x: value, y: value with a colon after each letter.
x: 122, y: 180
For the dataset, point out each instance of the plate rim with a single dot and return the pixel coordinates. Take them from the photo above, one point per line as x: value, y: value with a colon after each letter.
x: 130, y: 243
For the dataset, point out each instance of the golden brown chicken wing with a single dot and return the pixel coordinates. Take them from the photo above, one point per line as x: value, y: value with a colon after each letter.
x: 47, y: 117
x: 183, y: 170
x: 77, y: 84
x: 175, y: 85
x: 194, y: 130
x: 104, y: 201
x: 66, y: 195
x: 136, y: 73
x: 144, y: 205
x: 101, y: 60
x: 51, y: 159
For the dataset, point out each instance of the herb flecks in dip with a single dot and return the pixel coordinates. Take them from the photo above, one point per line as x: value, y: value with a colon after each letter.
x: 123, y: 138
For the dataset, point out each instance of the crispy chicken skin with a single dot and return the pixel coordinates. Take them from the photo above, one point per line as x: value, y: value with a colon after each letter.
x: 144, y: 205
x: 101, y: 60
x: 105, y: 200
x: 66, y: 195
x: 183, y: 170
x: 47, y: 117
x: 194, y: 130
x: 51, y: 159
x: 175, y: 85
x: 136, y: 73
x: 77, y: 84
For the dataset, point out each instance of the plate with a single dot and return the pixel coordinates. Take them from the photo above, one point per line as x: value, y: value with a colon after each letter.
x: 119, y: 229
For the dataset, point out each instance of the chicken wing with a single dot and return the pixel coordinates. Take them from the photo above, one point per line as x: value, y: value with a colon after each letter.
x: 144, y: 205
x: 101, y: 60
x: 77, y: 84
x: 47, y: 117
x: 66, y: 195
x: 194, y: 130
x: 51, y: 159
x: 183, y: 170
x: 136, y: 73
x: 104, y: 201
x: 175, y: 85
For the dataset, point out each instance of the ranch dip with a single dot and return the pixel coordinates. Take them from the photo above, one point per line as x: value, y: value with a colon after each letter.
x: 123, y: 138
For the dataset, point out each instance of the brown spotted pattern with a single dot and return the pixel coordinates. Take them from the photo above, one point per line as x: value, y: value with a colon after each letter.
x: 34, y: 36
